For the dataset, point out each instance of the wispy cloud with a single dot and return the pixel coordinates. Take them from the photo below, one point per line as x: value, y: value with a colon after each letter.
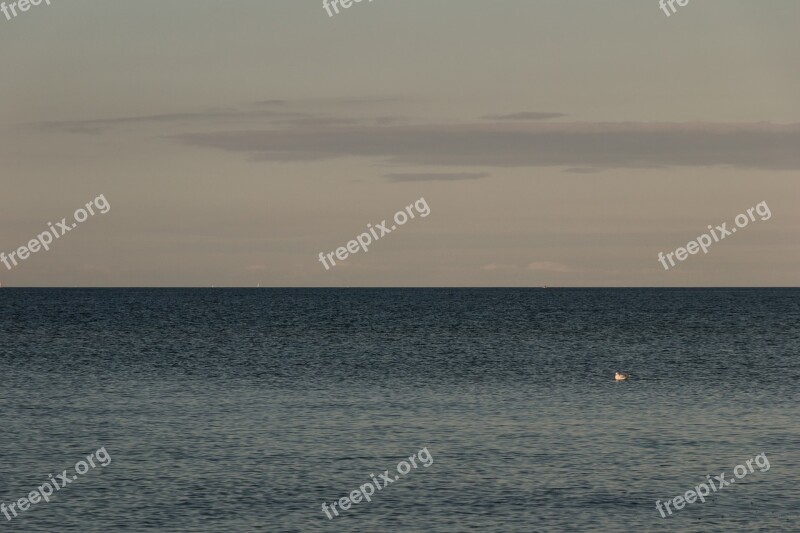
x: 94, y: 126
x: 220, y: 117
x: 582, y: 147
x: 575, y: 144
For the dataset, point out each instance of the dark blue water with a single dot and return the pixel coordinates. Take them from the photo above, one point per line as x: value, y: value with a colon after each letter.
x: 245, y: 410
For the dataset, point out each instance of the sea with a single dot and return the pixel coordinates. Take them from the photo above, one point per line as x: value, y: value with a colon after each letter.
x: 239, y: 410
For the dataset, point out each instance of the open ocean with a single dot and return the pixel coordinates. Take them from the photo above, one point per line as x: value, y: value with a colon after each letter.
x: 238, y: 410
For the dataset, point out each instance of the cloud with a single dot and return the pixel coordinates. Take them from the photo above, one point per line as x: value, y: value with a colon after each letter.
x: 575, y: 144
x: 441, y: 176
x: 95, y: 126
x: 262, y: 117
x: 525, y: 115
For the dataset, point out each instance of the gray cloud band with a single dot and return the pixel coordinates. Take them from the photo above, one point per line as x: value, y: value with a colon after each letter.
x: 596, y: 145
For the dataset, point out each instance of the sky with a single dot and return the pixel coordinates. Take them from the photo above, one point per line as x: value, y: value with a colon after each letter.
x: 556, y: 142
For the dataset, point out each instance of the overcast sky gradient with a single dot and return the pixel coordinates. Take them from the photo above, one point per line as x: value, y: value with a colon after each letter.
x: 558, y: 142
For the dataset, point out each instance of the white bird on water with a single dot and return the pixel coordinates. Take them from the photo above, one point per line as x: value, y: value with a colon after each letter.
x: 621, y: 376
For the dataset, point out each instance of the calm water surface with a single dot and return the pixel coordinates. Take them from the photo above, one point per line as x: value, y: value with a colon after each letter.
x: 245, y: 410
